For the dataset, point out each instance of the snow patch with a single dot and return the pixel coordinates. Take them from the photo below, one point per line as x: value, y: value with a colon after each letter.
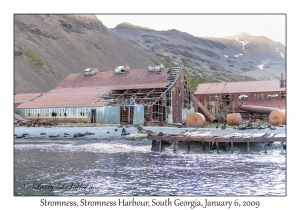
x: 282, y: 55
x: 261, y: 66
x: 236, y: 56
x: 243, y: 42
x: 226, y: 56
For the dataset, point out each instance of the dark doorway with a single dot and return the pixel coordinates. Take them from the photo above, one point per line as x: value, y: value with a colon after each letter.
x: 126, y: 114
x: 93, y: 117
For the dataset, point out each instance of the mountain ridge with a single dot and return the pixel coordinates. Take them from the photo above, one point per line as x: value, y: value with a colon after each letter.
x: 47, y: 48
x: 238, y: 57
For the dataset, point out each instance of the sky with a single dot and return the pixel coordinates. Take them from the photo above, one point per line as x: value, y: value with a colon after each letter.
x: 208, y: 25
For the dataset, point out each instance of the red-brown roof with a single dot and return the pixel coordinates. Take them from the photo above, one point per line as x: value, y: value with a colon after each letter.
x: 22, y: 98
x: 68, y: 97
x: 20, y: 118
x: 79, y: 90
x: 137, y: 78
x: 239, y: 87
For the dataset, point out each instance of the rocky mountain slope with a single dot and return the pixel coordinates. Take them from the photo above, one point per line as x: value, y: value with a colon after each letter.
x: 47, y: 48
x: 237, y: 58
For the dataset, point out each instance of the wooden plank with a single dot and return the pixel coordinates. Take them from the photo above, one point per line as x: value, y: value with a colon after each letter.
x: 167, y: 138
x: 213, y: 139
x: 280, y: 135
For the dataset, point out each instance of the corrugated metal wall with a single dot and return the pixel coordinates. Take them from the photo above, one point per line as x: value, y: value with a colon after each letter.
x: 108, y: 115
x: 79, y: 113
x: 104, y: 115
x: 138, y: 115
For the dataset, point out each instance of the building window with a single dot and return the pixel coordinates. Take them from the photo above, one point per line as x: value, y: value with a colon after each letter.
x: 273, y: 96
x: 243, y: 97
x: 214, y: 98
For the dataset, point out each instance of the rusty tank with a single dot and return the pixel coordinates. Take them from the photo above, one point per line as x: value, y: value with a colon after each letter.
x: 234, y: 119
x: 195, y: 120
x: 277, y: 117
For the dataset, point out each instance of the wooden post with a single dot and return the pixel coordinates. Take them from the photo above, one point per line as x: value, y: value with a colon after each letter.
x: 217, y: 145
x: 226, y: 146
x: 189, y: 145
x: 231, y: 145
x: 174, y: 142
x: 281, y: 142
x: 160, y: 143
x: 248, y: 145
x: 265, y: 142
x: 208, y: 146
x: 203, y: 145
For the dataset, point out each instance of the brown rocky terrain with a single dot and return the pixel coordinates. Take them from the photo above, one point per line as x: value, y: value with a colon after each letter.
x: 47, y: 48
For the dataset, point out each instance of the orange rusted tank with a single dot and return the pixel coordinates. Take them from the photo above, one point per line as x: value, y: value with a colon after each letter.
x: 195, y: 120
x: 234, y: 119
x: 277, y: 117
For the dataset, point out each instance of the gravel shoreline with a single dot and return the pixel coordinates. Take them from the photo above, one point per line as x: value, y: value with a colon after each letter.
x: 115, y: 131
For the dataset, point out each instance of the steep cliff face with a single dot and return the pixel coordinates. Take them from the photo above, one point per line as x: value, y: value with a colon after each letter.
x: 47, y: 48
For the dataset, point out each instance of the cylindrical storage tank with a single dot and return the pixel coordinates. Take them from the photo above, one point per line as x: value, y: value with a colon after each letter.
x: 195, y: 120
x: 234, y: 119
x: 277, y: 117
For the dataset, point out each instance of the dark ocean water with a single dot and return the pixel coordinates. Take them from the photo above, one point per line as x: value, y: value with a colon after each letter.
x: 129, y: 168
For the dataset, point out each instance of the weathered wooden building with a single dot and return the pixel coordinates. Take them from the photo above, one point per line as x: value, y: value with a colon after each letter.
x: 156, y: 94
x: 251, y: 98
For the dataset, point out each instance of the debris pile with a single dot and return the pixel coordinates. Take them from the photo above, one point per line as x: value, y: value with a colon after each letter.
x: 36, y: 123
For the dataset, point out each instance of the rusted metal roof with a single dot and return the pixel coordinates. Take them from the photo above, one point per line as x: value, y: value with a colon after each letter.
x: 22, y: 98
x: 139, y: 78
x: 79, y: 90
x: 68, y: 97
x: 20, y: 118
x: 239, y: 87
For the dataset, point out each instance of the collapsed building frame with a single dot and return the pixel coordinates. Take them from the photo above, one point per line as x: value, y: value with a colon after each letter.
x: 122, y: 97
x: 252, y: 99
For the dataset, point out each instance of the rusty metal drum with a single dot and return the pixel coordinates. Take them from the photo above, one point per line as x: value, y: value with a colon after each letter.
x: 277, y: 117
x: 234, y: 119
x: 195, y: 120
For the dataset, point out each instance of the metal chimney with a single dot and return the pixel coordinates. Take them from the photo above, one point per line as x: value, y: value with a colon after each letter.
x: 282, y: 80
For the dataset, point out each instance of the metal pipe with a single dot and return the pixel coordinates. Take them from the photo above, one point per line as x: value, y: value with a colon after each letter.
x: 206, y: 112
x: 257, y: 109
